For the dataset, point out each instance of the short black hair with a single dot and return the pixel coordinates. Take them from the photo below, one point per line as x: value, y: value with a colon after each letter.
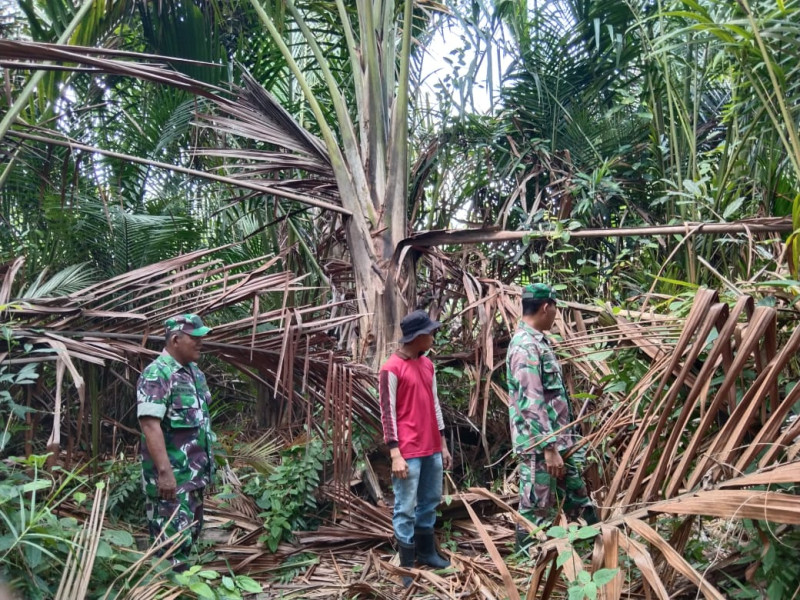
x: 530, y: 306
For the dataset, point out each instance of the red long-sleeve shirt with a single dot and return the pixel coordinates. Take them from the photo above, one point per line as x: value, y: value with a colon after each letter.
x: 410, y: 410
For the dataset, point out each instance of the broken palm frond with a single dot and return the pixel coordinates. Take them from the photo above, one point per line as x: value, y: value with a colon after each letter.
x: 606, y: 556
x: 674, y: 558
x: 656, y: 461
x: 644, y: 562
x: 261, y: 454
x: 510, y: 587
x: 707, y: 410
x: 735, y: 504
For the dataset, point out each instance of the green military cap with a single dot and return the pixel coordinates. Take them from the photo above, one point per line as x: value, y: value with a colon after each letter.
x: 188, y: 323
x: 538, y: 291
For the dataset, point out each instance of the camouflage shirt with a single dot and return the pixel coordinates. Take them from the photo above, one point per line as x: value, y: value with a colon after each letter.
x: 538, y: 403
x: 178, y: 396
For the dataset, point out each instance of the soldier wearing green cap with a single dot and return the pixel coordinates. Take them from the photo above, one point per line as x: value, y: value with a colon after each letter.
x: 539, y: 412
x: 176, y: 449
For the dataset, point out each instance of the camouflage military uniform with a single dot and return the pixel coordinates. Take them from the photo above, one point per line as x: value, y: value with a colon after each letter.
x: 179, y: 396
x: 539, y: 407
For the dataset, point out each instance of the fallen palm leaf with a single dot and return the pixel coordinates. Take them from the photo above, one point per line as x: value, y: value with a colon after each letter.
x: 735, y: 504
x: 674, y: 559
x: 644, y: 562
x: 511, y: 589
x: 78, y: 571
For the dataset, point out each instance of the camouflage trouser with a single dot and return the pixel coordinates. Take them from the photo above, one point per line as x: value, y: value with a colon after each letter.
x: 165, y: 518
x: 541, y: 496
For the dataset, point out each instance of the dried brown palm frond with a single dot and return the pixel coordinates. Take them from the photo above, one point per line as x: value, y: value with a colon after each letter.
x: 258, y: 116
x: 78, y: 570
x: 674, y: 443
x: 457, y: 237
x: 260, y: 453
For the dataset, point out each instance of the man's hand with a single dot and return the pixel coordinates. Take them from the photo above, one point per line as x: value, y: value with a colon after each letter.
x: 554, y: 462
x: 167, y: 486
x: 399, y: 465
x: 447, y: 460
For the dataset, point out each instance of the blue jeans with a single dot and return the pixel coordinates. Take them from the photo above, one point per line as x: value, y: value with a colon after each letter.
x: 417, y: 496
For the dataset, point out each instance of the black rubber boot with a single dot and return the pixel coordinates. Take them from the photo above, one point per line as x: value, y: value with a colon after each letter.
x: 590, y: 515
x: 407, y: 553
x: 426, y: 550
x: 524, y: 540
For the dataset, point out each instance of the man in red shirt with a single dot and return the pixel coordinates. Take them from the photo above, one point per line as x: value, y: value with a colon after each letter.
x: 413, y: 429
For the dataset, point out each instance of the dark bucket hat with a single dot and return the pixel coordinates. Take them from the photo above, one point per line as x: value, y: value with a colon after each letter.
x: 417, y: 323
x: 189, y: 324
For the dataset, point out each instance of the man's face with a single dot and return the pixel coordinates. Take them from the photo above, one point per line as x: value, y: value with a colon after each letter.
x: 421, y: 344
x: 186, y: 348
x: 426, y: 342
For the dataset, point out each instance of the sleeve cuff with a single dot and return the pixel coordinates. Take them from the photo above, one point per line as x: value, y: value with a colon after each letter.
x: 150, y: 409
x: 393, y: 445
x: 549, y: 442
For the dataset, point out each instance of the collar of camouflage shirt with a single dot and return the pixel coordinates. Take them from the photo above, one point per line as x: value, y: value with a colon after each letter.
x: 173, y: 364
x: 533, y: 332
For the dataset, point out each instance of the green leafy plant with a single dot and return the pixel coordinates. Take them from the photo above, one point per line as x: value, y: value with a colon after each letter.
x: 198, y: 581
x: 9, y: 409
x: 288, y: 495
x: 125, y: 498
x: 450, y: 537
x: 586, y: 584
x: 296, y: 565
x: 33, y: 541
x: 773, y: 559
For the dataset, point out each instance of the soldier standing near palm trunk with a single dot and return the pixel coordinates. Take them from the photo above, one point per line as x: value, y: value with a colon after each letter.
x: 176, y: 449
x: 539, y: 411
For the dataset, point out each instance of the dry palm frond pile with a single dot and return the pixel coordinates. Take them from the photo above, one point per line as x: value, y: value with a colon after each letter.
x: 702, y: 447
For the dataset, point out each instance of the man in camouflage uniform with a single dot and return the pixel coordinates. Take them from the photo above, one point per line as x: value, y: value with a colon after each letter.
x: 539, y: 411
x: 177, y: 459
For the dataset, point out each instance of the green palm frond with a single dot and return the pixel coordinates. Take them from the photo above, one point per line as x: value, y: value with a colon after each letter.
x: 63, y: 283
x: 262, y: 454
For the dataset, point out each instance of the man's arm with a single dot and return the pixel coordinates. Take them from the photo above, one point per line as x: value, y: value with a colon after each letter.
x: 387, y: 393
x: 535, y: 423
x: 154, y: 438
x: 447, y: 458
